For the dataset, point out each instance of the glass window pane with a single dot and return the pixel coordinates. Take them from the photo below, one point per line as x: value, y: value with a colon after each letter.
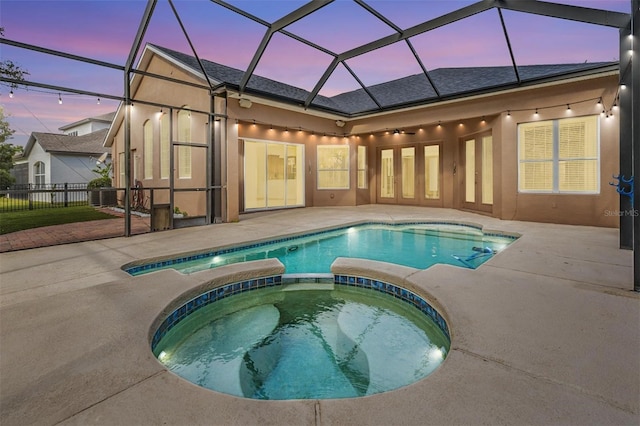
x: 184, y: 152
x: 275, y: 175
x: 362, y: 167
x: 408, y: 156
x: 536, y: 176
x: 578, y: 138
x: 470, y: 171
x: 164, y: 146
x: 432, y: 172
x: 536, y: 141
x: 121, y: 167
x: 578, y: 176
x: 148, y: 149
x: 387, y: 176
x: 255, y: 175
x: 295, y: 176
x: 487, y: 170
x: 333, y: 166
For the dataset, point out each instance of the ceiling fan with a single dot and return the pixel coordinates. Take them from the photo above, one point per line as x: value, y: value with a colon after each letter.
x: 402, y: 132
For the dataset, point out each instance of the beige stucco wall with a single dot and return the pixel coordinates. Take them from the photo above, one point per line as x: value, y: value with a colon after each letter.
x: 459, y: 119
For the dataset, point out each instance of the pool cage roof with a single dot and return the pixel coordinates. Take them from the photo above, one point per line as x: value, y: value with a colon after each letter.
x: 353, y: 58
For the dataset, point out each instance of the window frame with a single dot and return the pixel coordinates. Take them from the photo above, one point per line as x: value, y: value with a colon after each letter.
x: 147, y: 143
x: 39, y: 174
x: 185, y: 159
x: 165, y: 146
x: 346, y: 148
x: 555, y: 158
x: 361, y: 153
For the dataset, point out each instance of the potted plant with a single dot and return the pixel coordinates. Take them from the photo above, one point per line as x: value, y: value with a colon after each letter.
x: 98, y: 195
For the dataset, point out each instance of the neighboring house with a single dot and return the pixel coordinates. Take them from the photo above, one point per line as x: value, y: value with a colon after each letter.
x: 51, y: 158
x: 88, y: 125
x: 538, y: 147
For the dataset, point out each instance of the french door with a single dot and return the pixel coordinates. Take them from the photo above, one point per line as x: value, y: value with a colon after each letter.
x: 477, y: 177
x: 397, y: 177
x: 409, y: 174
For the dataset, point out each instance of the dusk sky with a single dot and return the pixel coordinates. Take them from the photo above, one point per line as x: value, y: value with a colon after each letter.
x: 105, y: 29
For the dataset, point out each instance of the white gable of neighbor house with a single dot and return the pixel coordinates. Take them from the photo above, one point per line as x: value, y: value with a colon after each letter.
x: 86, y: 128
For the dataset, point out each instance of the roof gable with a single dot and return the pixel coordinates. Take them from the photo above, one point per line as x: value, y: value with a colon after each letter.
x: 91, y: 143
x: 449, y: 82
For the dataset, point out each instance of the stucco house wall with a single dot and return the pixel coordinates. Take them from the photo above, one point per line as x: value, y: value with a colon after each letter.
x: 447, y: 124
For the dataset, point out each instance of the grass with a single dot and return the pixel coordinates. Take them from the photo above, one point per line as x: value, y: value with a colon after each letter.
x: 28, y: 219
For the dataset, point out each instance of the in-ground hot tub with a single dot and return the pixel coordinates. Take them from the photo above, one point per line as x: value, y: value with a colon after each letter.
x: 266, y: 339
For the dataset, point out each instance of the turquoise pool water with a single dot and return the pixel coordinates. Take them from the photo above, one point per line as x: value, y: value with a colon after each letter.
x: 305, y: 341
x: 418, y: 245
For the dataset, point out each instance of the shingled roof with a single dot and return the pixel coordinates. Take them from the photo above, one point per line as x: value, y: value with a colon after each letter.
x: 89, y: 144
x: 447, y: 83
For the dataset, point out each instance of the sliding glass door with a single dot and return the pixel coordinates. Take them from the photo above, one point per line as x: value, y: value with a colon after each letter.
x: 273, y: 175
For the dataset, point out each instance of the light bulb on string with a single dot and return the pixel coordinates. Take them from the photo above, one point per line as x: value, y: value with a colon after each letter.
x: 59, y: 99
x: 11, y: 94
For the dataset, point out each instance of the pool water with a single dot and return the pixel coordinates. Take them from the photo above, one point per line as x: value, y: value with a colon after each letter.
x: 416, y: 245
x: 304, y: 341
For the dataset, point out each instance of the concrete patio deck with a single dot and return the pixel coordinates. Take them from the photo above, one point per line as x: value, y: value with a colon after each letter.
x: 546, y: 332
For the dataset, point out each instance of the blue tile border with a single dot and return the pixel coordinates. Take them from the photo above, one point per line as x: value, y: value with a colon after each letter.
x: 149, y: 267
x: 399, y: 293
x: 231, y: 289
x: 209, y: 297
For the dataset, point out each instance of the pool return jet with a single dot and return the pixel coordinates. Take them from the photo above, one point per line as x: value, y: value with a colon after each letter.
x: 479, y: 252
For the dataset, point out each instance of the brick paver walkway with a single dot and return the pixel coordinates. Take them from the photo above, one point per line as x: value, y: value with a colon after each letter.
x: 72, y: 232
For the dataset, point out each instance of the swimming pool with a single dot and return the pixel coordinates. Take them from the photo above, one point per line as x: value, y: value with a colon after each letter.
x: 349, y: 338
x: 417, y: 244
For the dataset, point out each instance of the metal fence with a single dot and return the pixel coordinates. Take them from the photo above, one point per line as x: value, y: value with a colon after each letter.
x: 43, y: 196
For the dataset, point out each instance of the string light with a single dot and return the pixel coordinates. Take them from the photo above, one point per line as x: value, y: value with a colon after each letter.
x: 11, y: 94
x: 98, y: 101
x: 59, y: 99
x: 599, y: 101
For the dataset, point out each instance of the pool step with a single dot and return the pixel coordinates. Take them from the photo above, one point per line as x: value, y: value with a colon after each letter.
x: 307, y: 278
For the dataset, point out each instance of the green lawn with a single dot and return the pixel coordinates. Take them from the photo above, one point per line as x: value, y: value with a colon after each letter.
x: 27, y: 219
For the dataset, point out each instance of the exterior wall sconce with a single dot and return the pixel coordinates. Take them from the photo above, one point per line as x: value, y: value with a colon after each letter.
x: 245, y: 103
x: 340, y: 123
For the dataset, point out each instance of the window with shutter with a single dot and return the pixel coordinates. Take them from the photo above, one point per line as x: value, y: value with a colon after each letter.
x: 559, y: 156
